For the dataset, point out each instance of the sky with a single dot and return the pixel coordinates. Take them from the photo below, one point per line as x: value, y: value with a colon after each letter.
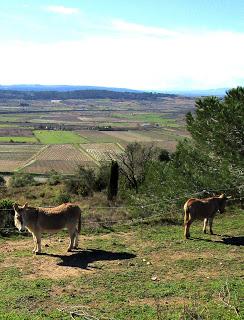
x: 138, y: 44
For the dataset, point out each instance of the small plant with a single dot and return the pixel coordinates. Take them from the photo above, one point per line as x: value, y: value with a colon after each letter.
x: 82, y: 184
x: 22, y: 180
x: 2, y: 181
x: 62, y: 197
x: 54, y: 178
x: 6, y: 213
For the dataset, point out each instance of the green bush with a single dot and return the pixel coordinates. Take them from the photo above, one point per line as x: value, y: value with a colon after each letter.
x: 6, y: 213
x: 102, y: 177
x: 2, y: 181
x: 62, y: 197
x: 83, y: 183
x: 54, y: 178
x: 22, y: 180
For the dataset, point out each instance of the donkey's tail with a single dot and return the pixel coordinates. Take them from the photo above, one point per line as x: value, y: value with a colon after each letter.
x: 79, y: 223
x: 186, y: 212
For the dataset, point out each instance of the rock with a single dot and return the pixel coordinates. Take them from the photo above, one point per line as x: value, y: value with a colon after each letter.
x: 154, y: 278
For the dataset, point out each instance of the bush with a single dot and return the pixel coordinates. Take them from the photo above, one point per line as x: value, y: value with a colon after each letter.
x: 62, y: 197
x: 22, y: 180
x: 6, y: 213
x: 54, y: 178
x: 102, y: 177
x: 82, y: 184
x: 2, y: 181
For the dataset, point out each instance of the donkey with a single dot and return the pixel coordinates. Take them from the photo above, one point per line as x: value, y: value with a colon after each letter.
x: 202, y: 209
x: 38, y: 220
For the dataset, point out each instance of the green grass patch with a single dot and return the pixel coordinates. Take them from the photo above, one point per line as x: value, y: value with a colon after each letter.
x: 58, y: 137
x: 18, y: 139
x: 165, y: 276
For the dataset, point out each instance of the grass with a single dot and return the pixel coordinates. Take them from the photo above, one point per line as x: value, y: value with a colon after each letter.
x: 142, y: 272
x: 18, y: 139
x: 148, y: 117
x: 58, y: 137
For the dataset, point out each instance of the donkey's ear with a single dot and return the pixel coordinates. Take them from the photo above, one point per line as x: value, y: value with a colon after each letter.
x: 15, y: 206
x: 25, y: 205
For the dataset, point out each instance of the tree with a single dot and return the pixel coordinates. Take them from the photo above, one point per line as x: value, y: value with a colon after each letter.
x: 218, y: 124
x: 133, y: 163
x: 2, y: 181
x: 113, y: 181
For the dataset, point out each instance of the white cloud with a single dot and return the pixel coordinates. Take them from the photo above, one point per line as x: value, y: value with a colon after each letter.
x: 62, y: 9
x: 138, y: 29
x: 124, y: 59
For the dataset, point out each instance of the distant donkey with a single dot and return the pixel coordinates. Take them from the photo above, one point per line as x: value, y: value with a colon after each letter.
x: 202, y: 209
x: 38, y: 220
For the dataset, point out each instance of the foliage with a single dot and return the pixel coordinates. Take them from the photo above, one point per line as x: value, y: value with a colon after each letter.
x: 62, y: 197
x: 102, y: 177
x: 164, y: 155
x: 218, y: 124
x: 22, y: 180
x: 133, y: 163
x: 6, y: 216
x: 113, y: 181
x: 54, y: 178
x: 82, y: 183
x: 2, y: 181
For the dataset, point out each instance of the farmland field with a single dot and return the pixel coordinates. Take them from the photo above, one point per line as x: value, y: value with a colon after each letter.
x: 61, y: 158
x: 102, y: 151
x: 18, y: 139
x: 14, y: 156
x: 58, y: 137
x: 96, y: 125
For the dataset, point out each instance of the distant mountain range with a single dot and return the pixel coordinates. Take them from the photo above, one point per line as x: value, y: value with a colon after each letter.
x: 196, y: 93
x: 65, y: 88
x: 60, y: 88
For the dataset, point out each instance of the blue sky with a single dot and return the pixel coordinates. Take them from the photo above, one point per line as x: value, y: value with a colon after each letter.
x: 140, y: 44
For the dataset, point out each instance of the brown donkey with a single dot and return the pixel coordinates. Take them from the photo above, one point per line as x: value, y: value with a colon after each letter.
x: 38, y: 220
x: 204, y: 209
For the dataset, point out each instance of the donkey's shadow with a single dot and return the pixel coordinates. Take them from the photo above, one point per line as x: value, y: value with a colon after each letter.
x: 82, y: 259
x: 229, y: 240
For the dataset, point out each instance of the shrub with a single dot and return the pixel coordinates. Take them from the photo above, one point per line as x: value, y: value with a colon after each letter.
x: 62, y: 197
x: 54, y: 178
x: 82, y: 184
x: 6, y: 213
x: 102, y: 177
x: 2, y: 181
x: 22, y: 180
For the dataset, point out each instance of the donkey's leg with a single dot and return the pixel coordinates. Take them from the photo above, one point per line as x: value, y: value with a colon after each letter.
x: 205, y: 222
x: 76, y: 239
x: 72, y: 233
x: 187, y: 229
x: 38, y: 240
x: 211, y: 225
x: 35, y: 242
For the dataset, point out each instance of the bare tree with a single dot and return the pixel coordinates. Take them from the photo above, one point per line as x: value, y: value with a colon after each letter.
x: 134, y: 161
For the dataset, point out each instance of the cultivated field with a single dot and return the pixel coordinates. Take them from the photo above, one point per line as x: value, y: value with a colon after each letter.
x: 102, y: 151
x: 61, y: 158
x: 141, y: 272
x: 101, y: 127
x: 58, y: 137
x: 13, y: 156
